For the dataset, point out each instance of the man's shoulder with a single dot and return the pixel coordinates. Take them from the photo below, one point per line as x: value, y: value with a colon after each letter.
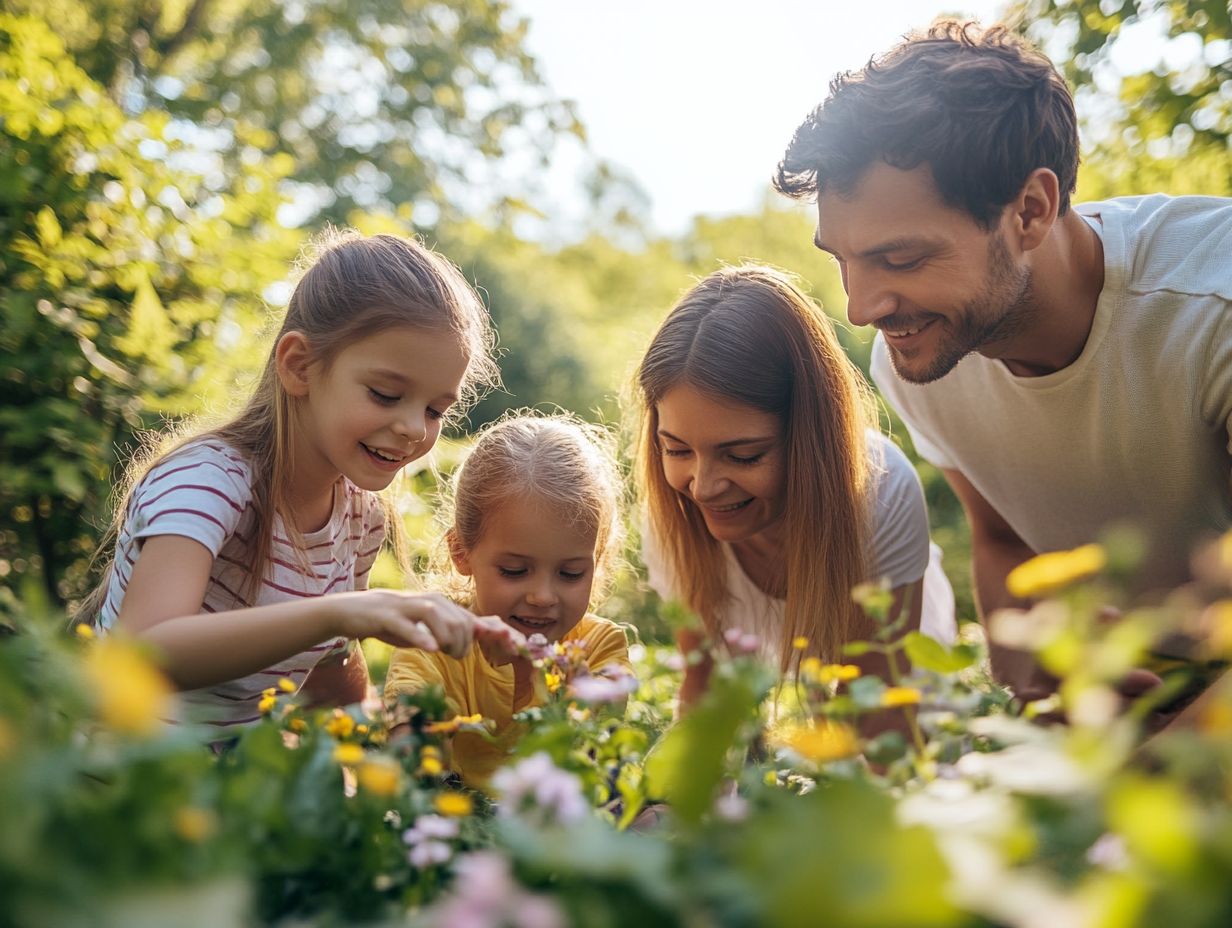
x: 1165, y: 244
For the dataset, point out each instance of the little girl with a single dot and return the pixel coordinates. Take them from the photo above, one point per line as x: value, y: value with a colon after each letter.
x: 226, y: 542
x: 535, y: 526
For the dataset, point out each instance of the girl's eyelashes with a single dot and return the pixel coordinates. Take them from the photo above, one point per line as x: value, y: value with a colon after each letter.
x: 383, y: 398
x: 573, y: 575
x: 512, y: 571
x: 435, y: 413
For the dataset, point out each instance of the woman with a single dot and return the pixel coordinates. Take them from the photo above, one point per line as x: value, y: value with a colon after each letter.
x: 769, y: 492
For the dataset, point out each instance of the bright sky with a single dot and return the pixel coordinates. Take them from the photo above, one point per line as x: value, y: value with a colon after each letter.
x: 697, y: 99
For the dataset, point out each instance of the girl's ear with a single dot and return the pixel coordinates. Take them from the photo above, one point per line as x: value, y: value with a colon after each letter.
x: 458, y: 554
x: 293, y: 362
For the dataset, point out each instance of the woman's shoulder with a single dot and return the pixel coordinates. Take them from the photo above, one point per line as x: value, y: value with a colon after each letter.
x: 891, y: 474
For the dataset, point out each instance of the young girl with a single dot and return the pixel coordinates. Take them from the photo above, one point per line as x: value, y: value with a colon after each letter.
x: 226, y: 543
x: 535, y: 526
x: 768, y: 491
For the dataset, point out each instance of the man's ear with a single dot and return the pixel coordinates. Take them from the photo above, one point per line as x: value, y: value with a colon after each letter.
x: 458, y: 554
x: 1036, y: 208
x: 293, y: 362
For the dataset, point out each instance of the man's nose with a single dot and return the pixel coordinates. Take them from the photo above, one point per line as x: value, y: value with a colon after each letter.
x: 868, y: 298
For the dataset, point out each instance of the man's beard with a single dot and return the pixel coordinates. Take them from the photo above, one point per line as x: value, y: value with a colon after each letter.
x: 1002, y: 309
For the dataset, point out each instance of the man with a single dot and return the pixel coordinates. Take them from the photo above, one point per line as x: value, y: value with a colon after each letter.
x: 1068, y: 369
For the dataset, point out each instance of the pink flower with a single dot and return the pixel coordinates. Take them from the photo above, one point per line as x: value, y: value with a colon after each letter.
x: 603, y: 686
x: 538, y: 646
x: 739, y: 642
x: 537, y: 788
x: 486, y: 896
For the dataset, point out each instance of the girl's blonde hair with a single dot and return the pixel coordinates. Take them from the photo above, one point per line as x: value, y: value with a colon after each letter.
x: 352, y: 286
x: 559, y: 459
x: 748, y: 335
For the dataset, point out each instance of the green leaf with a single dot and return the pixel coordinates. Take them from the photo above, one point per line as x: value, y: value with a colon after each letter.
x: 687, y: 763
x: 929, y: 654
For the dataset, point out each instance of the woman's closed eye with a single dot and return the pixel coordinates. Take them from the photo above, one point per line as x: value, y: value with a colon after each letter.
x: 673, y: 452
x: 750, y: 459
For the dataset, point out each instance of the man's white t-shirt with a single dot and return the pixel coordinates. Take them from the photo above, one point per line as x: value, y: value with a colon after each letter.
x: 899, y: 551
x: 1136, y: 430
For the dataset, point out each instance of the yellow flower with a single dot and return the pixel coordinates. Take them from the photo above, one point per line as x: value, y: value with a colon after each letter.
x: 84, y: 631
x: 821, y: 743
x: 269, y: 692
x: 348, y: 754
x: 194, y: 824
x: 267, y: 704
x: 799, y: 643
x: 298, y: 725
x: 1218, y: 619
x: 429, y: 766
x: 1054, y: 570
x: 361, y: 729
x: 453, y: 724
x: 132, y: 694
x: 839, y: 673
x: 454, y: 805
x: 287, y: 685
x: 340, y: 725
x: 380, y: 776
x: 810, y: 668
x: 553, y: 681
x: 900, y: 696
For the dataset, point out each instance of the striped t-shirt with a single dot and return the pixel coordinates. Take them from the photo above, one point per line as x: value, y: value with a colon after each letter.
x: 203, y: 491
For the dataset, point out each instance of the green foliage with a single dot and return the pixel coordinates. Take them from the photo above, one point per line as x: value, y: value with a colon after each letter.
x: 130, y: 289
x: 376, y: 104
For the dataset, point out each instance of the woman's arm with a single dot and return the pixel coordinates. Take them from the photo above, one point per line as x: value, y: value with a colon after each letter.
x: 908, y: 597
x: 696, y: 671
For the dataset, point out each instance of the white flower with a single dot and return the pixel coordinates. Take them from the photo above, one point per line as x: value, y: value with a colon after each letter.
x: 428, y: 854
x: 551, y: 793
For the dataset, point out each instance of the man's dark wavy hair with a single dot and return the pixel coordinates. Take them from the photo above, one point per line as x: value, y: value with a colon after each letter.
x: 981, y: 107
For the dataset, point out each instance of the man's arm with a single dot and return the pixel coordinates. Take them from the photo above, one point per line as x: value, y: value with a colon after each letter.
x: 996, y: 549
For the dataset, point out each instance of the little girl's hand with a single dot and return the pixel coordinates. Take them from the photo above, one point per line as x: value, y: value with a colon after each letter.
x: 500, y: 643
x: 406, y: 620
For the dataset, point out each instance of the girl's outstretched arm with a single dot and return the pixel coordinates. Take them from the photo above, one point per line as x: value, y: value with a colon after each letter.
x: 162, y: 604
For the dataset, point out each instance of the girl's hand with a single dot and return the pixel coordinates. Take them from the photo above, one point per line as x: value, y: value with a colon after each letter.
x: 428, y: 621
x: 499, y: 642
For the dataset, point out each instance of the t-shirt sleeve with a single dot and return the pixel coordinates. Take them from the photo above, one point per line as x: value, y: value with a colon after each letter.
x: 200, y: 492
x: 892, y: 387
x: 412, y: 670
x: 1216, y: 395
x: 606, y: 646
x: 899, y: 543
x: 658, y: 575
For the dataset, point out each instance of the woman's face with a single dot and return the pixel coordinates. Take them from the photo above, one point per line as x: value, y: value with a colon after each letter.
x: 727, y: 459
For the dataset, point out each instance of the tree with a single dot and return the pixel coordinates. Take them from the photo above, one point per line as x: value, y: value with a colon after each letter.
x: 379, y: 103
x: 1160, y: 120
x: 130, y: 289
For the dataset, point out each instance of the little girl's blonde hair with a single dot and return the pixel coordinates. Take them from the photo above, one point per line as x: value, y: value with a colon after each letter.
x: 558, y: 458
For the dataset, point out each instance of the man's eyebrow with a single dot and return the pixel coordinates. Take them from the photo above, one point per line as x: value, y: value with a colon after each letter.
x: 902, y: 243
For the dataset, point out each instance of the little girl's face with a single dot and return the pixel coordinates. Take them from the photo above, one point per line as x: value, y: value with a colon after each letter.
x: 379, y: 405
x: 533, y: 567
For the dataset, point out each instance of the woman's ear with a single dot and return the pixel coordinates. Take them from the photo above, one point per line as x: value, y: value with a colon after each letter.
x: 293, y: 362
x: 458, y: 554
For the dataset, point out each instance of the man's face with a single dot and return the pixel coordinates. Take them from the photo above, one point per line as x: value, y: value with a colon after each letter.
x: 925, y: 274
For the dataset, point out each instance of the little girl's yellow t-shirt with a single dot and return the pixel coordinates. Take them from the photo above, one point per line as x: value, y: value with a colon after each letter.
x: 473, y: 686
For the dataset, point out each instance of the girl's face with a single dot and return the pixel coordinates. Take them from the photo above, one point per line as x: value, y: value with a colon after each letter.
x: 727, y: 459
x: 533, y: 566
x: 378, y: 406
